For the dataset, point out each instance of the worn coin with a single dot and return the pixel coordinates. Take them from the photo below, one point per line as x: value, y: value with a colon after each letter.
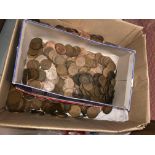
x: 60, y: 48
x: 85, y: 78
x: 68, y: 92
x: 51, y: 74
x: 32, y: 52
x: 75, y: 111
x: 47, y: 50
x: 68, y: 83
x: 45, y: 64
x: 40, y: 58
x: 61, y: 70
x: 42, y: 75
x: 50, y: 44
x: 106, y: 109
x: 77, y: 50
x: 97, y: 38
x: 90, y: 62
x: 33, y: 64
x: 84, y: 110
x: 80, y: 61
x: 102, y: 80
x: 69, y: 50
x: 36, y: 43
x: 73, y: 69
x: 106, y: 72
x: 33, y: 74
x: 35, y: 83
x: 59, y: 60
x: 92, y: 112
x: 88, y: 86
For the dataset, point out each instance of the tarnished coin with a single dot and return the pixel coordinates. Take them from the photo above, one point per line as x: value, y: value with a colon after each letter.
x: 73, y: 69
x: 35, y: 83
x: 50, y: 44
x: 97, y: 38
x: 33, y: 64
x: 111, y: 75
x: 84, y: 69
x: 106, y: 72
x: 48, y: 86
x: 36, y: 104
x: 88, y: 86
x: 69, y: 62
x: 92, y: 112
x: 69, y: 50
x: 33, y: 74
x: 51, y: 74
x: 111, y: 66
x: 60, y: 48
x: 36, y: 43
x: 76, y: 79
x: 77, y: 50
x: 84, y: 110
x: 40, y: 58
x: 68, y: 92
x: 102, y: 80
x: 90, y: 62
x: 33, y: 53
x: 42, y: 75
x: 45, y: 64
x: 75, y: 111
x: 59, y: 60
x: 47, y: 50
x: 106, y: 109
x: 98, y: 56
x: 85, y: 78
x: 52, y: 55
x: 80, y: 61
x: 68, y: 83
x: 61, y: 70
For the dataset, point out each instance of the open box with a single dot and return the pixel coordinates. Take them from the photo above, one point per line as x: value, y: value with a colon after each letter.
x: 129, y: 36
x: 124, y: 59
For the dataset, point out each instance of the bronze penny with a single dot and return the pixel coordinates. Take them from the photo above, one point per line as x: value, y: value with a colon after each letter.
x: 80, y: 61
x: 35, y: 83
x: 88, y: 86
x: 59, y: 60
x: 75, y: 111
x: 69, y: 50
x: 92, y: 112
x: 73, y: 69
x: 106, y: 109
x: 36, y: 43
x: 85, y: 78
x: 97, y: 38
x: 42, y: 75
x: 45, y: 64
x: 47, y: 50
x: 96, y: 79
x: 60, y: 27
x: 33, y: 74
x: 33, y: 53
x: 33, y: 64
x: 77, y: 50
x: 91, y: 63
x: 76, y: 79
x: 60, y: 48
x: 61, y: 70
x: 102, y: 80
x: 98, y: 56
x: 84, y: 110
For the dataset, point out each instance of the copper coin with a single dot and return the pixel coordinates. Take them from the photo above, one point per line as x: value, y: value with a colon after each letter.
x: 97, y: 38
x: 96, y: 79
x: 98, y: 56
x: 91, y: 63
x: 76, y: 79
x: 60, y: 48
x: 106, y: 72
x: 42, y: 75
x: 92, y: 112
x: 33, y: 53
x: 111, y: 66
x: 69, y: 50
x: 102, y: 80
x: 75, y: 111
x: 73, y: 69
x: 88, y: 86
x: 33, y: 74
x: 47, y: 50
x: 61, y: 70
x: 35, y: 83
x: 85, y: 78
x: 84, y: 69
x: 33, y: 64
x: 45, y: 64
x: 59, y: 60
x: 69, y: 83
x: 106, y: 109
x: 60, y: 84
x: 80, y: 61
x: 96, y: 91
x: 77, y: 50
x: 36, y: 43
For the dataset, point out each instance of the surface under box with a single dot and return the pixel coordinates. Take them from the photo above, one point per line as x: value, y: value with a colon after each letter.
x: 114, y: 31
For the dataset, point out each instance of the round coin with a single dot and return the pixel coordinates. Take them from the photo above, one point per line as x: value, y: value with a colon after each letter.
x: 33, y: 74
x: 36, y: 43
x: 33, y: 64
x: 80, y: 61
x: 35, y: 83
x: 73, y: 69
x: 85, y: 78
x: 75, y: 111
x: 40, y: 58
x: 88, y: 86
x: 69, y: 50
x: 106, y: 109
x: 61, y: 70
x: 47, y: 50
x: 42, y: 75
x: 48, y: 86
x: 68, y: 83
x: 45, y: 64
x: 59, y: 60
x: 92, y: 112
x: 60, y: 48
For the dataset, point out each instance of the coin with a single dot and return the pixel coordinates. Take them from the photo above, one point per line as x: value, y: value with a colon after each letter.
x: 47, y: 50
x: 90, y: 62
x: 60, y: 83
x: 76, y: 79
x: 68, y: 83
x: 42, y: 75
x: 106, y: 72
x: 69, y: 50
x: 59, y: 60
x: 36, y: 43
x: 91, y: 55
x: 92, y: 112
x: 111, y: 66
x: 40, y: 58
x: 98, y: 56
x: 35, y: 83
x: 50, y: 44
x: 60, y: 48
x: 80, y: 61
x: 102, y: 80
x: 106, y: 61
x: 88, y: 86
x: 84, y: 110
x: 28, y: 96
x: 96, y: 91
x: 60, y: 27
x: 45, y: 64
x: 33, y: 73
x: 75, y: 111
x: 36, y: 104
x: 77, y: 50
x: 73, y: 69
x: 85, y: 78
x: 61, y: 70
x: 33, y: 53
x: 33, y: 64
x: 97, y: 38
x: 68, y: 92
x: 83, y: 52
x: 51, y: 74
x: 106, y: 109
x: 84, y: 69
x: 48, y: 86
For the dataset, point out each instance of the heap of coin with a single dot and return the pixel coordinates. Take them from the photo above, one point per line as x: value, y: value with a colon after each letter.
x: 69, y: 70
x: 18, y: 101
x: 95, y: 37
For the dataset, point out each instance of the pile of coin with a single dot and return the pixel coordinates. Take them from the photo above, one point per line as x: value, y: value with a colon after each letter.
x: 18, y: 101
x: 70, y: 71
x: 95, y: 37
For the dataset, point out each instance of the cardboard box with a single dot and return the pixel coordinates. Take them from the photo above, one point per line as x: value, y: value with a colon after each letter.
x: 115, y: 31
x: 124, y: 58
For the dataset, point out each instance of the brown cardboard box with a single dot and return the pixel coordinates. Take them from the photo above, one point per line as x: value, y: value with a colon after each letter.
x: 115, y: 31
